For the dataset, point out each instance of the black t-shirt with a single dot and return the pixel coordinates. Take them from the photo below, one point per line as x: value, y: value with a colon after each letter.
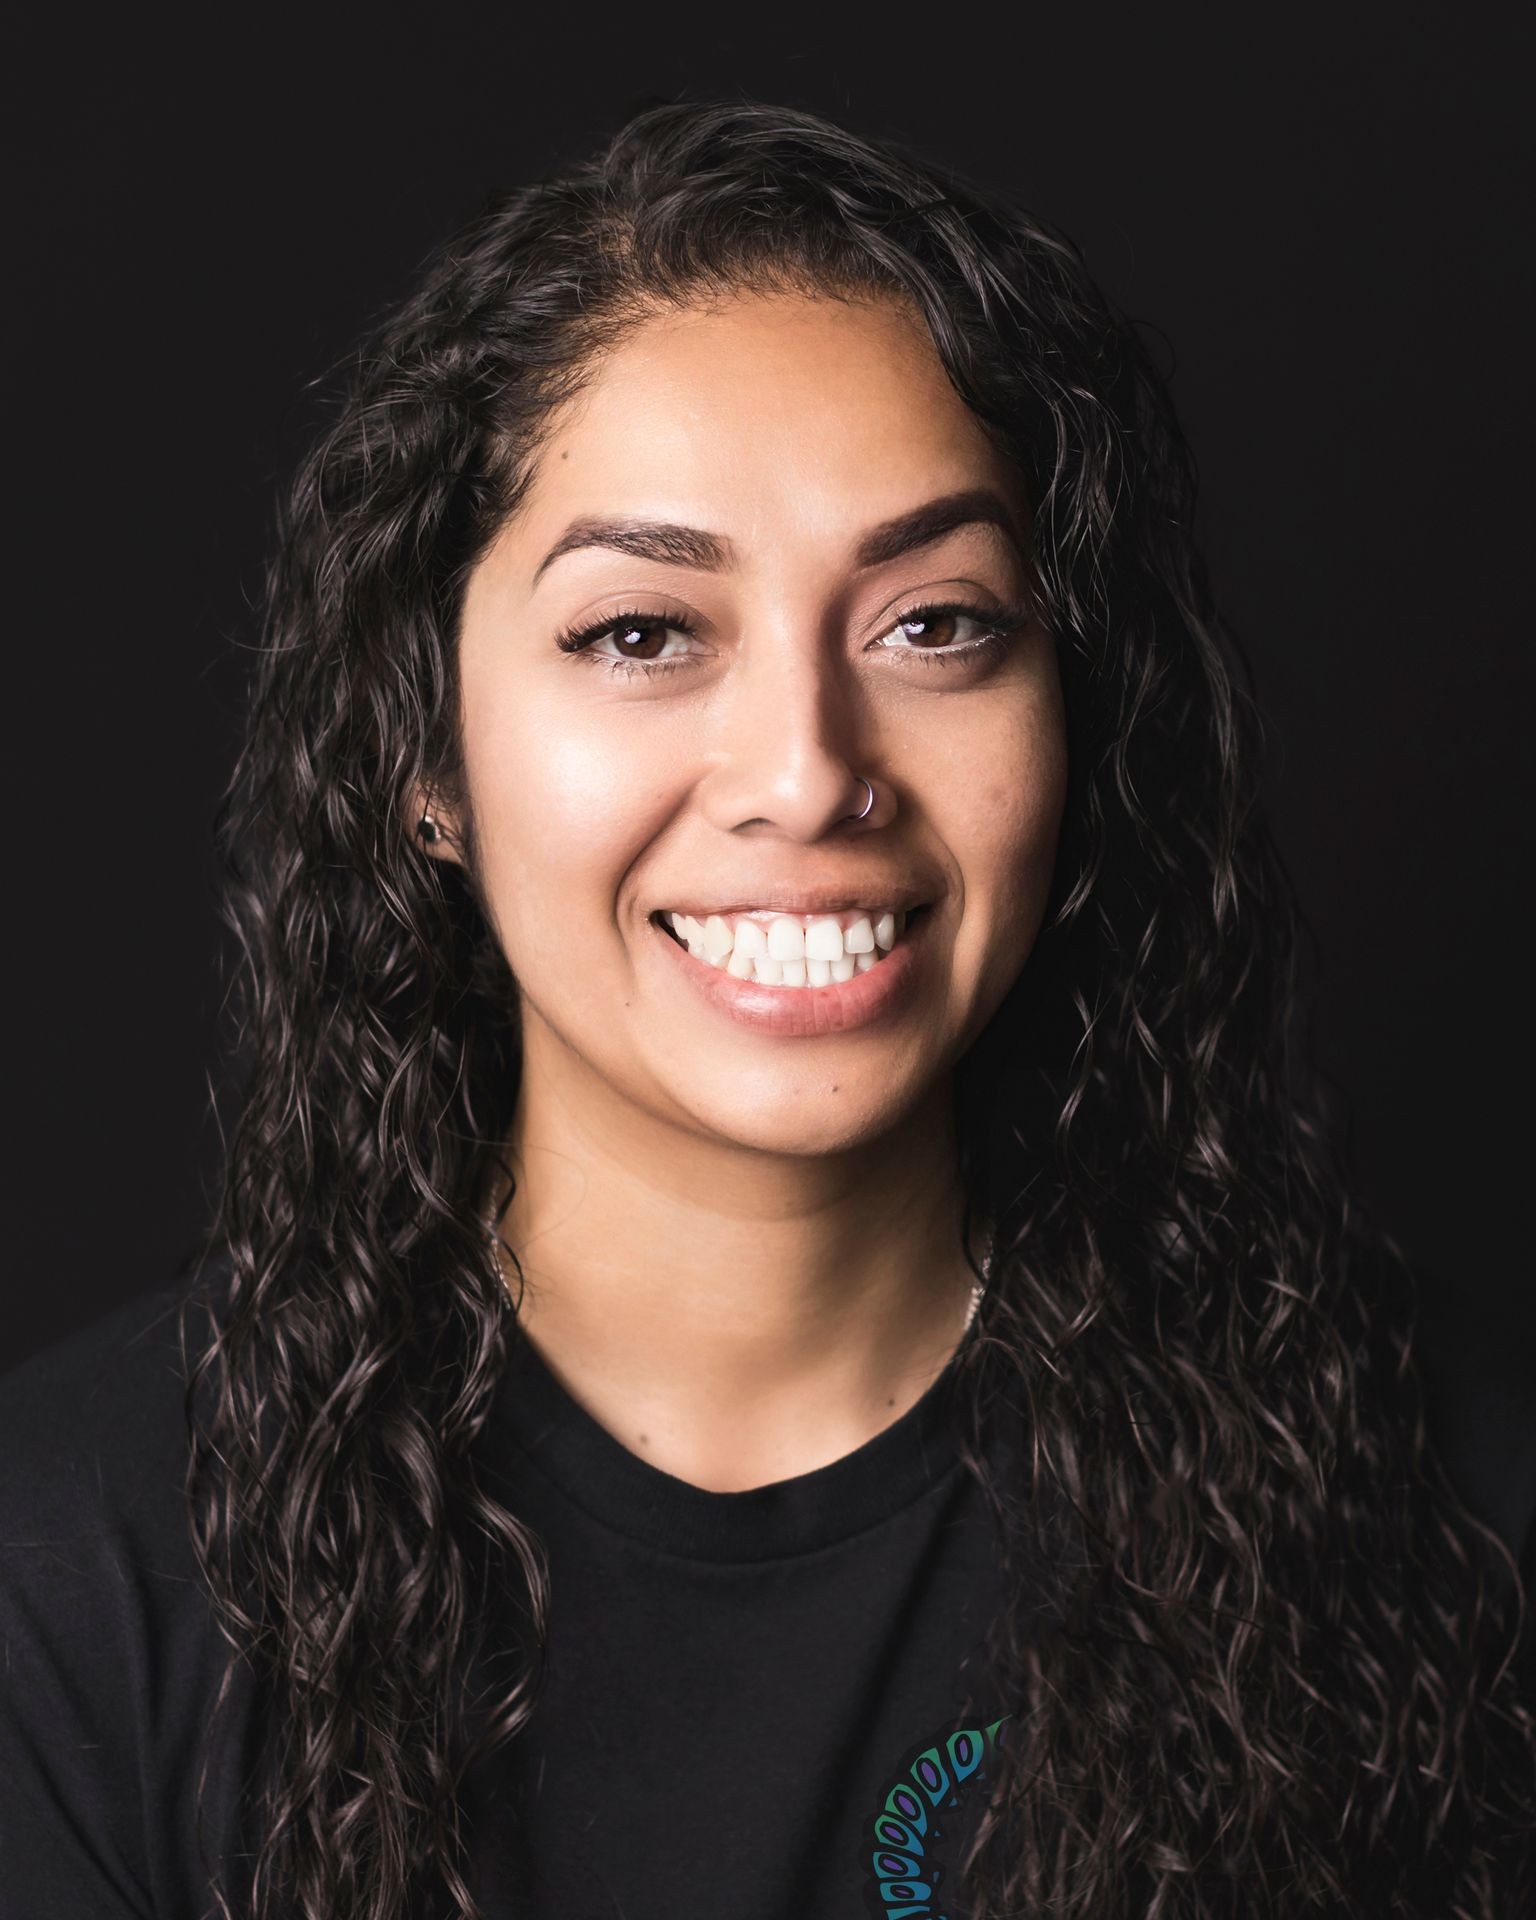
x: 754, y: 1704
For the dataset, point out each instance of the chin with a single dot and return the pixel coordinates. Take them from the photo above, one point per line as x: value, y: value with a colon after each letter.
x: 829, y: 1115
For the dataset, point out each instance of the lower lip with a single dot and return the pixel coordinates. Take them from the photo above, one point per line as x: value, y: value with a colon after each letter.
x: 798, y: 1013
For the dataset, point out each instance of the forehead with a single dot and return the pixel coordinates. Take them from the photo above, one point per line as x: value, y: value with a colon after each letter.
x: 774, y: 413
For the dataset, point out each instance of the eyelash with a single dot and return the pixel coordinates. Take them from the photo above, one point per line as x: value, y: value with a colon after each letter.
x: 1000, y: 627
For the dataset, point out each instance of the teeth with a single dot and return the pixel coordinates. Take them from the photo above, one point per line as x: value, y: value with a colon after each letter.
x: 823, y: 942
x: 786, y: 939
x: 790, y: 951
x: 751, y: 940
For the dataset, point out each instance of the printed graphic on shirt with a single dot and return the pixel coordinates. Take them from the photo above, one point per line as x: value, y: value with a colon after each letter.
x: 915, y: 1829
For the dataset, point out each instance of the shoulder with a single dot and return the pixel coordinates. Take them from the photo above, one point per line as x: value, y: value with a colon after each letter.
x: 90, y: 1423
x: 109, y: 1658
x: 94, y: 1452
x: 93, y: 1462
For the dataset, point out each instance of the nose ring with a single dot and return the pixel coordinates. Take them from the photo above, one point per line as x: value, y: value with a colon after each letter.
x: 867, y: 804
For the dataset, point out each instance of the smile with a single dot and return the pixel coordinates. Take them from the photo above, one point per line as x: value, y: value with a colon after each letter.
x: 814, y: 995
x: 790, y: 949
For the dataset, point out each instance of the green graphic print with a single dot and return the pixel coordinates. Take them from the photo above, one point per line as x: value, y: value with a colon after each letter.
x: 916, y: 1825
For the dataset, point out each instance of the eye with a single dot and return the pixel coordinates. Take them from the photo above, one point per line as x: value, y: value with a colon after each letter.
x: 939, y: 635
x: 641, y: 638
x: 942, y: 634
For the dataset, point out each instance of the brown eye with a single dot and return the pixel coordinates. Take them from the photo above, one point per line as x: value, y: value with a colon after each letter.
x: 953, y: 635
x: 940, y: 629
x: 647, y: 637
x: 629, y: 643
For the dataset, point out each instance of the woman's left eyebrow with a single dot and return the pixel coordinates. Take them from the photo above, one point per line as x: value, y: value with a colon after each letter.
x: 680, y: 546
x: 922, y: 526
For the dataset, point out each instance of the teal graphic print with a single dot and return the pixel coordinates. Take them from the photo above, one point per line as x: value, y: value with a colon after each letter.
x: 915, y: 1829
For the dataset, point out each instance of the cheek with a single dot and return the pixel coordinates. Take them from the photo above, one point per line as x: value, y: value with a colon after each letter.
x: 562, y: 808
x: 1007, y: 802
x: 1027, y: 799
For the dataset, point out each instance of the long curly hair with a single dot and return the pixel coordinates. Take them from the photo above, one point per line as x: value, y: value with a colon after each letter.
x: 1283, y: 1674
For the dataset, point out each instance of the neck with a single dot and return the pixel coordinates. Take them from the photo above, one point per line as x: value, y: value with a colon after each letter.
x: 731, y: 1316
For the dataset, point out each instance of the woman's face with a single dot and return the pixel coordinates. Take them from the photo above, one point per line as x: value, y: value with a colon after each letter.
x: 747, y: 508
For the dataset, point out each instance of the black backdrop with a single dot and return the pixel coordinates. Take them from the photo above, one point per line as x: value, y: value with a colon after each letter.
x: 1320, y: 213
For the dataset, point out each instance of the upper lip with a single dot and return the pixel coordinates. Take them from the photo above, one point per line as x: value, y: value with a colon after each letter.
x: 798, y: 899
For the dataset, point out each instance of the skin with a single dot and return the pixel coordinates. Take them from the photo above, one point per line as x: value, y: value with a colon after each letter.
x: 742, y: 1251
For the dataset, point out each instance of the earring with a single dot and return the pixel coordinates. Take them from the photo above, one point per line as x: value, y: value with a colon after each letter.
x: 426, y: 826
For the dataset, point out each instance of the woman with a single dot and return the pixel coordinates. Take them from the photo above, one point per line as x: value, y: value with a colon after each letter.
x: 784, y: 1333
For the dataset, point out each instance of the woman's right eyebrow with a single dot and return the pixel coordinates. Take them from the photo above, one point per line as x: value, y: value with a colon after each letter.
x: 660, y: 540
x: 680, y: 546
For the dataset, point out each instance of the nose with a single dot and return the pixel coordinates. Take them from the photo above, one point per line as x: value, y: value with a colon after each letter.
x: 791, y: 752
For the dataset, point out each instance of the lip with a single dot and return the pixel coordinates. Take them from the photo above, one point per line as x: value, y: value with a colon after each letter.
x: 802, y: 1013
x: 877, y: 896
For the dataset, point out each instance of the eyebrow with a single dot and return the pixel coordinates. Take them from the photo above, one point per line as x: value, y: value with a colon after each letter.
x: 680, y: 546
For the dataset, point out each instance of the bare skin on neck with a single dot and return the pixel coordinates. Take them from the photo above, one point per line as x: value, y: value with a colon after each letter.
x: 734, y: 1324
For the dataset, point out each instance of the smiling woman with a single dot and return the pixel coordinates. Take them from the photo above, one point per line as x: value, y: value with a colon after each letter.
x: 783, y: 680
x: 784, y: 1332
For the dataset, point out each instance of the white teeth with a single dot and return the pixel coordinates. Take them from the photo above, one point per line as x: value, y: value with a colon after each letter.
x: 787, y: 951
x: 823, y: 942
x: 786, y: 939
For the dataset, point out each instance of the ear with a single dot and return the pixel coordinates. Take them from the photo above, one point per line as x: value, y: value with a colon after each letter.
x: 424, y: 805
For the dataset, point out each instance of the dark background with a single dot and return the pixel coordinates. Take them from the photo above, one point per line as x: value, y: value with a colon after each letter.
x: 1323, y: 214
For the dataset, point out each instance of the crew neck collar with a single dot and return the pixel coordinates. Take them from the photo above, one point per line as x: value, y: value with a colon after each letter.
x: 804, y: 1514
